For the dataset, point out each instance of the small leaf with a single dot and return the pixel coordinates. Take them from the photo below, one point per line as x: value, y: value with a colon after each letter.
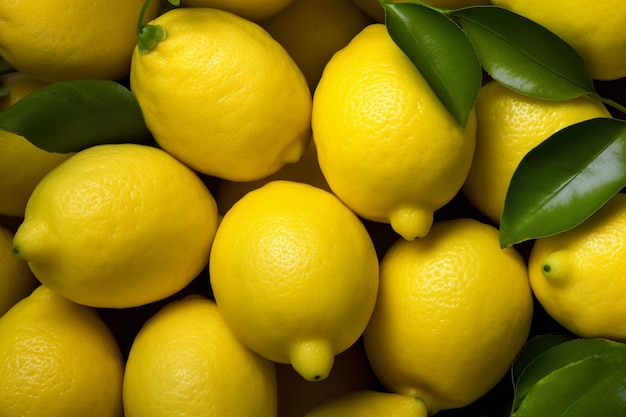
x: 533, y: 348
x: 561, y: 355
x: 524, y: 55
x: 592, y: 382
x: 72, y: 115
x: 564, y: 180
x: 5, y: 67
x: 440, y: 51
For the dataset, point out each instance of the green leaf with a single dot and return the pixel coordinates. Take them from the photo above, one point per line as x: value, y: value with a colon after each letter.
x: 524, y: 55
x: 584, y: 378
x: 72, y: 115
x: 561, y: 355
x: 5, y: 67
x: 440, y: 51
x: 564, y: 180
x: 533, y: 348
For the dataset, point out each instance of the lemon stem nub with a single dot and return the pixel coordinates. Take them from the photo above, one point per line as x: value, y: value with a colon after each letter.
x: 148, y: 35
x: 553, y: 267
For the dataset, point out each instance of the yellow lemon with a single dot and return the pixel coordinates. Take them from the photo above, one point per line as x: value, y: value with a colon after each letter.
x: 376, y: 11
x: 254, y: 10
x: 22, y: 164
x: 594, y: 28
x: 351, y: 371
x: 295, y: 275
x: 386, y: 145
x: 509, y: 126
x: 66, y: 40
x: 16, y: 279
x: 312, y: 31
x: 370, y: 403
x: 118, y: 226
x: 306, y: 170
x: 453, y: 311
x: 221, y: 95
x: 58, y: 359
x: 576, y: 275
x: 186, y: 361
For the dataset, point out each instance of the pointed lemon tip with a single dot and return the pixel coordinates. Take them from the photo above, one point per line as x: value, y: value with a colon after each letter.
x: 312, y: 360
x: 410, y: 222
x: 28, y: 241
x: 554, y: 267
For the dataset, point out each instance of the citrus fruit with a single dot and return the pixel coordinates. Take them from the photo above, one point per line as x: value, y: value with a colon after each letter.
x: 576, y: 274
x: 312, y: 31
x: 595, y: 29
x: 453, y: 311
x: 255, y: 10
x: 186, y: 361
x: 118, y: 226
x: 17, y: 281
x: 295, y: 275
x: 370, y: 403
x: 375, y: 10
x: 221, y: 95
x: 306, y: 170
x: 22, y: 164
x: 386, y: 145
x: 58, y: 359
x: 66, y: 40
x: 509, y: 126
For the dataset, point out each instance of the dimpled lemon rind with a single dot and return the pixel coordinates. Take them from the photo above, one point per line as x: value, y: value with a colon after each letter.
x: 295, y: 275
x: 386, y: 145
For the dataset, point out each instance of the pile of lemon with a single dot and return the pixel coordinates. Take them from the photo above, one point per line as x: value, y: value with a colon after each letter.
x: 310, y: 231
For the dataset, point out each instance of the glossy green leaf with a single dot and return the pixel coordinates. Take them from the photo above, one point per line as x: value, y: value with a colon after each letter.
x: 589, y: 381
x: 561, y: 355
x: 564, y: 180
x: 534, y: 347
x: 524, y: 55
x: 440, y: 51
x: 72, y: 115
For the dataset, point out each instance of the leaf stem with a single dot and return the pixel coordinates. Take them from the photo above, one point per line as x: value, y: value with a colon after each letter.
x: 611, y: 103
x: 142, y: 13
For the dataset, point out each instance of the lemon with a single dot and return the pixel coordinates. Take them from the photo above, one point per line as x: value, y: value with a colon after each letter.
x: 375, y: 10
x: 509, y: 126
x: 386, y: 145
x: 254, y: 10
x: 306, y: 170
x: 453, y: 311
x: 370, y: 403
x: 350, y: 372
x: 595, y: 29
x: 576, y: 275
x: 221, y: 95
x: 186, y: 361
x: 118, y: 226
x: 57, y: 40
x: 312, y: 31
x: 22, y: 164
x: 16, y: 279
x: 295, y: 275
x: 58, y: 359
